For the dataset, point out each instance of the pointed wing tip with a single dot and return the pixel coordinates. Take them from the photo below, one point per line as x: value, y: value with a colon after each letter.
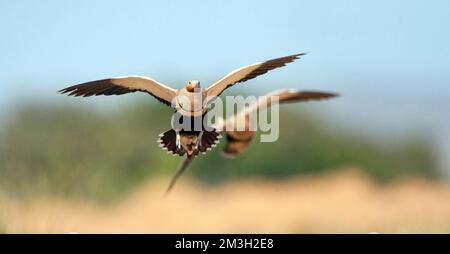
x: 62, y: 91
x: 166, y: 194
x: 74, y: 92
x: 69, y: 91
x: 297, y: 56
x: 328, y: 95
x: 331, y: 95
x: 291, y: 58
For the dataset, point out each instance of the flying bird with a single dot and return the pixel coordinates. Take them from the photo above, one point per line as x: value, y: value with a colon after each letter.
x: 190, y: 102
x: 237, y: 141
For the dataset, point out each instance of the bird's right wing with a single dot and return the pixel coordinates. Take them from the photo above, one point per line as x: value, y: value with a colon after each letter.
x: 122, y: 85
x: 247, y: 72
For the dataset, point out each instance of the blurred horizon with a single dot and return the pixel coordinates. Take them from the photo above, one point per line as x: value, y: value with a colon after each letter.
x: 373, y: 159
x: 388, y: 60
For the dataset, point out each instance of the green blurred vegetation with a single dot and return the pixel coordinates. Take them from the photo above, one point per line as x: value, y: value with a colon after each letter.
x: 76, y: 151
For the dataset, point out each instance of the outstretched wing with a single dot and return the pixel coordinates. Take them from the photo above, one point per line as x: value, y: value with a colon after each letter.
x: 122, y: 85
x: 248, y: 72
x: 286, y: 96
x: 238, y: 141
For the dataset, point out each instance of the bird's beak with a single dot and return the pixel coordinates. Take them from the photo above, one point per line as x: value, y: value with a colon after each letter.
x: 190, y: 88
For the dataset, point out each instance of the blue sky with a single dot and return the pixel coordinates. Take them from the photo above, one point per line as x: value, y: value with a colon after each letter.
x: 389, y: 59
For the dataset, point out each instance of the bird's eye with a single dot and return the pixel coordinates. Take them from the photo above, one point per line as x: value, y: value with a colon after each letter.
x: 189, y: 82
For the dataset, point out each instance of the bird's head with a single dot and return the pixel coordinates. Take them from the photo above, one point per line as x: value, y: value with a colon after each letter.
x: 192, y: 85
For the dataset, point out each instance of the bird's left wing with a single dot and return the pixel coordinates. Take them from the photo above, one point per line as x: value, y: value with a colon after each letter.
x: 283, y: 96
x: 122, y: 85
x: 286, y: 96
x: 248, y: 72
x: 238, y: 141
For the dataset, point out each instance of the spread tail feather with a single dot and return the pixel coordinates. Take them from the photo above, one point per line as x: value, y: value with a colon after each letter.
x: 168, y: 141
x: 209, y: 140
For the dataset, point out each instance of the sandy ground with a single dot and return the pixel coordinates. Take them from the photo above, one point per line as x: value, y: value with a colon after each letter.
x: 341, y: 202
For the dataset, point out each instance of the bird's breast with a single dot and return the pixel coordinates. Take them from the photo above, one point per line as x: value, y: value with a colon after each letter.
x: 191, y: 104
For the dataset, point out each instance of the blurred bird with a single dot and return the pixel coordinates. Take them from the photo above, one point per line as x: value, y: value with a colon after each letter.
x: 190, y: 102
x: 237, y: 141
